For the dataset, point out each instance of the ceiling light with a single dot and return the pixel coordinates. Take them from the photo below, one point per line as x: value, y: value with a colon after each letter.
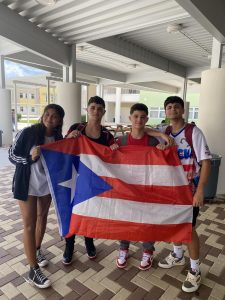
x: 46, y: 2
x: 132, y: 66
x: 174, y: 28
x: 80, y: 48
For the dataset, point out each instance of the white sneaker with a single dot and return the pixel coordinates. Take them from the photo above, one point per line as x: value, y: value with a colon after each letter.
x: 121, y: 260
x: 146, y: 261
x: 171, y: 261
x: 192, y: 282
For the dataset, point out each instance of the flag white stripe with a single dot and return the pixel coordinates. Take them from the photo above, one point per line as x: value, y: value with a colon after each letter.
x: 131, y: 211
x: 137, y: 174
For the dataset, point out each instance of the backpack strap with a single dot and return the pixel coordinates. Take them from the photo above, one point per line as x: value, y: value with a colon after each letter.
x: 152, y: 141
x: 123, y: 139
x: 188, y: 130
x: 168, y: 130
x: 81, y: 127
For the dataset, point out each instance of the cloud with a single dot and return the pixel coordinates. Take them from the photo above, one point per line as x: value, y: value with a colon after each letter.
x: 17, y: 70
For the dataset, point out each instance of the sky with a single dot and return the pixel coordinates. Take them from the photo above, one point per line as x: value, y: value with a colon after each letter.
x: 17, y: 70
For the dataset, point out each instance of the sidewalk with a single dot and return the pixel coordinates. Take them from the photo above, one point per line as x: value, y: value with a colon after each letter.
x: 100, y: 279
x: 4, y: 157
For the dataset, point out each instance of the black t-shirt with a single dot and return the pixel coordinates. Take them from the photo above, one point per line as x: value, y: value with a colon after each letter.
x: 106, y: 138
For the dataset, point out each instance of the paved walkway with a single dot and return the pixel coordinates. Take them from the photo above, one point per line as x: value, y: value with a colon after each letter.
x: 100, y: 279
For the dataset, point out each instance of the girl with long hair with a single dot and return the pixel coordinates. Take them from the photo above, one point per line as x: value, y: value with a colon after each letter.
x: 30, y: 186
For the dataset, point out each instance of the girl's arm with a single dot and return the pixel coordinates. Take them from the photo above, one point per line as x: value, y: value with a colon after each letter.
x: 16, y: 152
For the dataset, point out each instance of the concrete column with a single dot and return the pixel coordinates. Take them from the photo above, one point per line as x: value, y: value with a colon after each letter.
x: 69, y: 72
x: 6, y: 116
x: 184, y: 96
x: 72, y: 67
x: 211, y: 116
x: 118, y: 105
x: 217, y: 52
x: 48, y: 91
x: 2, y: 72
x: 91, y: 90
x: 100, y: 90
x: 65, y: 74
x: 186, y: 110
x: 69, y: 97
x: 15, y: 100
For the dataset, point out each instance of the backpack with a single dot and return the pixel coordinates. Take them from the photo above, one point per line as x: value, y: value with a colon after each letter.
x: 151, y: 140
x: 188, y: 130
x: 81, y: 127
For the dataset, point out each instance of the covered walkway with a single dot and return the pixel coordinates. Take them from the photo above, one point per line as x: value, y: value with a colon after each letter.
x: 100, y: 279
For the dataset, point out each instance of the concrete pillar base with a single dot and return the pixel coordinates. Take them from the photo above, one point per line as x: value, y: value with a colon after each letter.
x: 211, y: 116
x: 6, y: 117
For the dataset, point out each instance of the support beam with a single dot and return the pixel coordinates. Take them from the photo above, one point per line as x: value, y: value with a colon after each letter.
x: 2, y: 72
x: 72, y: 65
x: 196, y: 72
x: 151, y: 76
x: 184, y: 94
x: 99, y: 72
x: 217, y: 53
x: 118, y: 105
x: 210, y: 14
x: 157, y: 86
x: 65, y: 74
x: 21, y: 31
x: 139, y: 54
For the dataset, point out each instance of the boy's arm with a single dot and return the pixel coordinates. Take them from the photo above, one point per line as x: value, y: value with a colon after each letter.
x: 152, y: 132
x: 198, y: 198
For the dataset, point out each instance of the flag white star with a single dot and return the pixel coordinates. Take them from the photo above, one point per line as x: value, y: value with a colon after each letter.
x: 71, y: 183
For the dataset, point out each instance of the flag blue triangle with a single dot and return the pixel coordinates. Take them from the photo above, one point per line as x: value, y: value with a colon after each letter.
x: 88, y: 184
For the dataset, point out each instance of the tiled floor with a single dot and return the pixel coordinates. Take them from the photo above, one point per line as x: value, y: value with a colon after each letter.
x: 100, y: 279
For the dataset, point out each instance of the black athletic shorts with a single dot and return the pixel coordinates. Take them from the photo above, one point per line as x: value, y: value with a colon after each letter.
x: 195, y: 215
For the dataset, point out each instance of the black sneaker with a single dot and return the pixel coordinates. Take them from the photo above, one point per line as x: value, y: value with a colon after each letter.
x: 90, y: 247
x: 37, y: 278
x: 68, y: 253
x: 41, y: 259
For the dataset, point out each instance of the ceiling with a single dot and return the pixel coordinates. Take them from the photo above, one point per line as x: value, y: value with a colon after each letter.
x: 120, y: 41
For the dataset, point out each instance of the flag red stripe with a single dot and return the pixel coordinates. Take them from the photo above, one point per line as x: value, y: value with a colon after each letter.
x: 143, y: 193
x: 135, y: 155
x: 187, y: 167
x: 119, y: 230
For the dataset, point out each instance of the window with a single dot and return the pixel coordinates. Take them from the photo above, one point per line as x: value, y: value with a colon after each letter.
x: 193, y: 113
x: 196, y: 113
x: 21, y: 108
x: 190, y: 113
x: 21, y: 95
x: 162, y: 113
x: 32, y: 109
x: 32, y: 96
x: 129, y: 91
x: 157, y: 112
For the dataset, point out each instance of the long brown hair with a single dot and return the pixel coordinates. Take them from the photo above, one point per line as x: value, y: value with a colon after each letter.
x: 40, y: 127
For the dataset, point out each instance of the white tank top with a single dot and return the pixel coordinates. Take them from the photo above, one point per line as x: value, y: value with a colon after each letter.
x: 38, y: 185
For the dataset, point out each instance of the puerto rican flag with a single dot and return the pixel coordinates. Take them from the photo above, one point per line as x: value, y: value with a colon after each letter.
x: 135, y: 193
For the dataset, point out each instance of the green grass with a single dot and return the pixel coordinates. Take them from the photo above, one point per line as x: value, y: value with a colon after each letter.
x: 30, y: 121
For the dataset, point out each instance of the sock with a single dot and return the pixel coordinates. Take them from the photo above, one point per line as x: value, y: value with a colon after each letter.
x: 195, y: 265
x: 178, y: 250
